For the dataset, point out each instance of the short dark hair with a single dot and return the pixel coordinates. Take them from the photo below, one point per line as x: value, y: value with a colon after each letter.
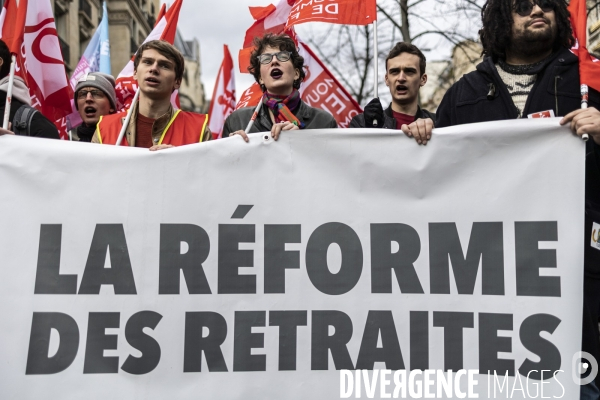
x: 497, y: 20
x: 5, y: 56
x: 167, y: 50
x: 283, y: 43
x: 402, y: 47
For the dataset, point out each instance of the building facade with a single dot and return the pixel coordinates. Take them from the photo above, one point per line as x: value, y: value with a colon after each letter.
x: 130, y: 22
x: 594, y: 27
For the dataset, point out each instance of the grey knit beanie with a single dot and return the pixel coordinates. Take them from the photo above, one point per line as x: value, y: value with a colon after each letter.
x: 101, y: 81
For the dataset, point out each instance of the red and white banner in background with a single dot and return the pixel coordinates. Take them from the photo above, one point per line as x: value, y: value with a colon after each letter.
x: 269, y: 19
x: 223, y: 98
x: 347, y: 12
x: 40, y: 61
x: 320, y: 89
x: 589, y: 66
x: 165, y: 29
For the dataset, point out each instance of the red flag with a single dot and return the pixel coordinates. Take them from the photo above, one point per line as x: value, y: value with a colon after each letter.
x: 30, y: 30
x: 347, y: 12
x: 269, y: 19
x: 319, y: 89
x: 12, y: 21
x: 589, y: 66
x: 223, y: 98
x: 165, y: 29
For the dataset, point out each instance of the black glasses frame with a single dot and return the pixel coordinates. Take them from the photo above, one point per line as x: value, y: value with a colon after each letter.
x: 282, y: 56
x: 96, y: 94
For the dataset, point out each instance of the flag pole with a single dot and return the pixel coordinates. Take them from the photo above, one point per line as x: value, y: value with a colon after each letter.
x: 584, y: 105
x: 11, y: 81
x: 254, y: 115
x: 128, y: 118
x: 375, y: 65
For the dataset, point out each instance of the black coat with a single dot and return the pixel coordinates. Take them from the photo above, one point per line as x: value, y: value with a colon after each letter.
x: 313, y: 118
x: 390, y: 122
x: 40, y: 125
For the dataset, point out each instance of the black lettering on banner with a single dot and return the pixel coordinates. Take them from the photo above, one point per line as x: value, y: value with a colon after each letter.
x: 244, y: 340
x: 48, y: 279
x: 277, y: 259
x: 196, y: 344
x: 453, y: 324
x: 111, y: 238
x: 231, y: 258
x: 172, y: 261
x: 380, y: 323
x: 490, y: 344
x: 419, y: 340
x: 146, y: 344
x: 549, y: 355
x: 98, y: 341
x: 288, y: 323
x: 38, y: 360
x: 485, y: 244
x: 383, y: 261
x: 316, y: 258
x: 322, y: 343
x: 529, y: 258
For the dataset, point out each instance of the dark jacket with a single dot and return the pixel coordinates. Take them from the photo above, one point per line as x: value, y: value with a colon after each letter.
x: 313, y: 118
x: 40, y: 125
x: 390, y: 122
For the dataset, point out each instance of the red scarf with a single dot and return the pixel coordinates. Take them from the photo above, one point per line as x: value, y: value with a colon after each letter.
x: 281, y: 107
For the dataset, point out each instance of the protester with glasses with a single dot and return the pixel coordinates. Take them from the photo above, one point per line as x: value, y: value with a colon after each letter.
x: 94, y: 97
x: 278, y: 68
x: 528, y: 70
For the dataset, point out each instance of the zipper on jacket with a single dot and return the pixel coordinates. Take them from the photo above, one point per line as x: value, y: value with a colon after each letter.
x: 491, y: 92
x: 556, y: 78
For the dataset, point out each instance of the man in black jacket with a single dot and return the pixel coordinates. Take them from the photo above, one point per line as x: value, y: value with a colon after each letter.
x: 38, y: 126
x: 529, y: 69
x: 405, y: 75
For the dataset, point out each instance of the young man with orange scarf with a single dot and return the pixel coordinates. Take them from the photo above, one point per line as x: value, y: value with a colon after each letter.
x: 278, y: 68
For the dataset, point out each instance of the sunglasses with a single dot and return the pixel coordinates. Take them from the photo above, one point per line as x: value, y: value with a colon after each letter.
x: 96, y: 94
x: 523, y: 8
x: 282, y: 56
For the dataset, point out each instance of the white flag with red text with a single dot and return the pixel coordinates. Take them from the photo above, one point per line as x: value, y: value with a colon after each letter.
x: 320, y: 89
x: 165, y: 29
x: 40, y: 61
x: 223, y: 99
x: 269, y: 19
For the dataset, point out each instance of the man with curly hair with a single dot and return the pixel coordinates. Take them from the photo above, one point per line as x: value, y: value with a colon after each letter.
x: 529, y: 69
x: 279, y: 70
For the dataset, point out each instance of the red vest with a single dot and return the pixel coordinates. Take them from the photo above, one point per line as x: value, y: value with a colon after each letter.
x: 183, y: 128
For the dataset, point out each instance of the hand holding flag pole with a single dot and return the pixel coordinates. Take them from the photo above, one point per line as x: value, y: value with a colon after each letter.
x: 11, y: 81
x: 584, y: 105
x: 254, y: 115
x: 128, y: 118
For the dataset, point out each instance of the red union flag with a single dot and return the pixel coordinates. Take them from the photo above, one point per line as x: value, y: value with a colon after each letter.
x: 589, y: 66
x: 319, y: 89
x: 269, y: 19
x: 165, y: 29
x: 223, y: 99
x: 347, y: 12
x: 12, y: 23
x: 41, y: 65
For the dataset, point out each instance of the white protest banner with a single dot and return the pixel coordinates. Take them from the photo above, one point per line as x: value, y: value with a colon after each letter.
x: 266, y: 270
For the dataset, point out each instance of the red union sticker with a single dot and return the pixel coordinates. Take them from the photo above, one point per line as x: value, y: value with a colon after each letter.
x: 542, y: 114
